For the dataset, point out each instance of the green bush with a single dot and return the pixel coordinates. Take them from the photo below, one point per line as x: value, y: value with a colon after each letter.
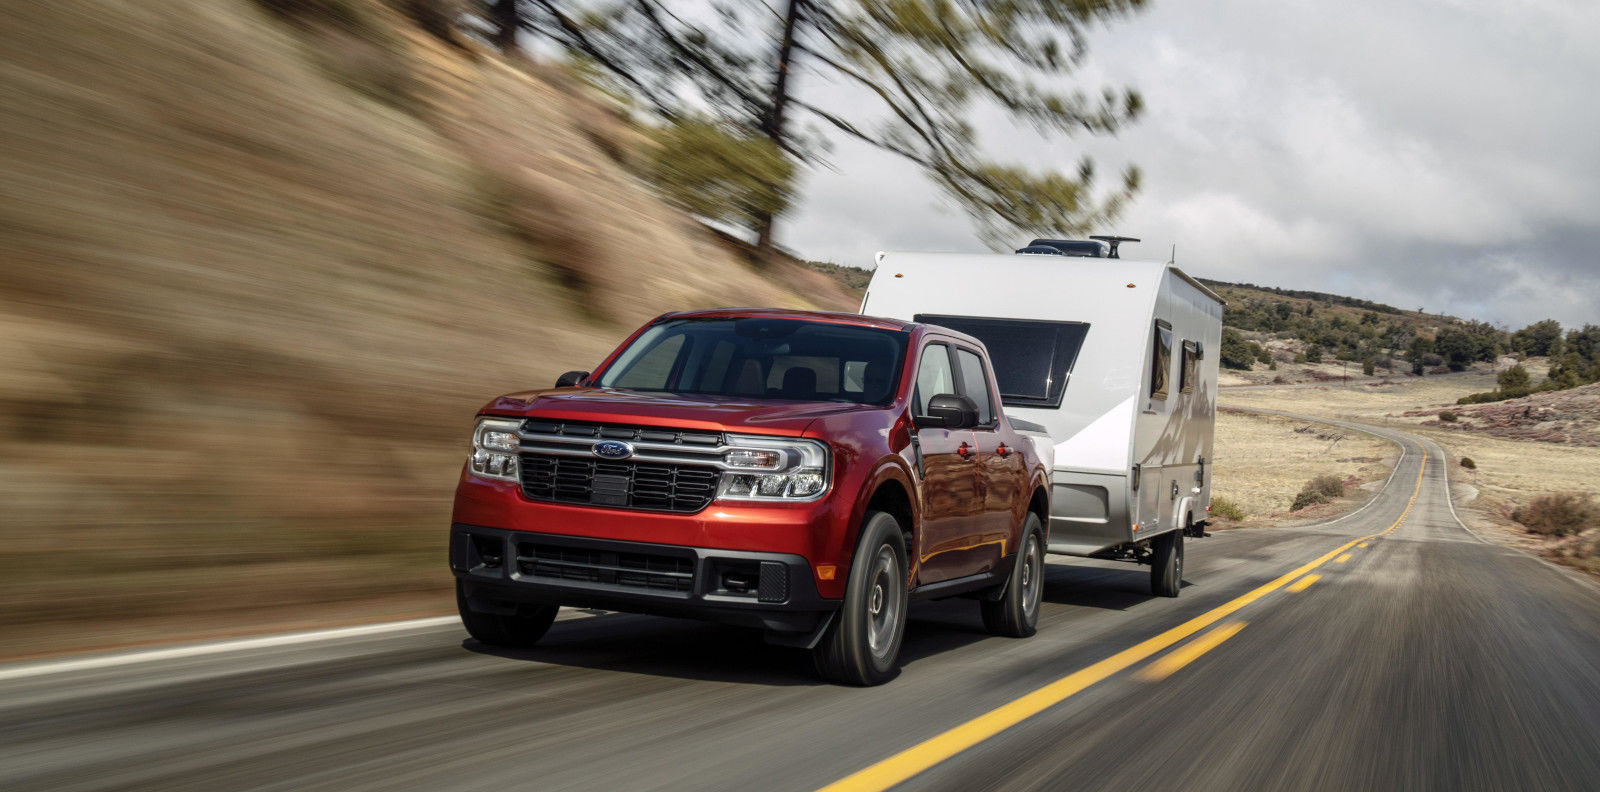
x: 1467, y: 463
x: 1369, y: 367
x: 1515, y: 379
x: 1558, y: 514
x: 1237, y: 353
x: 1307, y: 498
x: 1222, y: 507
x: 1447, y: 416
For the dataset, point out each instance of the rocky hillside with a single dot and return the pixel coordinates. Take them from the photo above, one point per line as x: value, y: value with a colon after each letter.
x: 263, y: 260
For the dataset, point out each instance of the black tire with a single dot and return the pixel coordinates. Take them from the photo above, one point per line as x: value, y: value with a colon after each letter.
x: 521, y: 629
x: 862, y: 646
x: 1016, y: 613
x: 1166, y: 564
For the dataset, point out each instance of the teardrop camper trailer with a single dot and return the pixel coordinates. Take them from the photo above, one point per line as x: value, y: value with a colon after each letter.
x: 1115, y: 359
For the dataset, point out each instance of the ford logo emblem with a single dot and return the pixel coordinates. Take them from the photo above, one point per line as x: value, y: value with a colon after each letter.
x: 613, y: 449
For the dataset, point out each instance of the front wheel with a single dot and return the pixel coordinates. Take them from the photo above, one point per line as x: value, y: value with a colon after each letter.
x: 863, y: 645
x: 1166, y: 564
x: 513, y: 630
x: 1016, y: 613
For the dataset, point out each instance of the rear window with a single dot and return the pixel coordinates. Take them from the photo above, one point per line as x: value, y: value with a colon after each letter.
x: 1032, y: 359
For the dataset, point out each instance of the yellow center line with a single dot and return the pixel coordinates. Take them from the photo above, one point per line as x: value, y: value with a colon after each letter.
x: 1188, y: 653
x: 911, y: 761
x: 1363, y: 544
x: 1303, y: 583
x: 1342, y: 559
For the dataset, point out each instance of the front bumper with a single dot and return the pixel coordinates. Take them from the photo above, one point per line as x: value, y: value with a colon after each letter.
x: 499, y: 569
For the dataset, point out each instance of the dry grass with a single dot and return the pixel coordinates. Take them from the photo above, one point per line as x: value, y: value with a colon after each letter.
x: 1263, y: 461
x: 1371, y: 401
x: 255, y: 285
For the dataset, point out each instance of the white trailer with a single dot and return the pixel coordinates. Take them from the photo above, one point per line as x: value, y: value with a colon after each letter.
x: 1115, y: 359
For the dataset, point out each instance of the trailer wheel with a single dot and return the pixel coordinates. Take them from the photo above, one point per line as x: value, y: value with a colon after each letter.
x: 521, y: 629
x: 1166, y: 564
x: 862, y: 647
x: 1016, y: 613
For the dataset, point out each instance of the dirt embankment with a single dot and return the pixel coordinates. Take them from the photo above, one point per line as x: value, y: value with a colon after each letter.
x: 1567, y: 417
x: 259, y: 270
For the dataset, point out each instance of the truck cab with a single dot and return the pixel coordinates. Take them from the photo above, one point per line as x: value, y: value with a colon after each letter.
x: 803, y: 473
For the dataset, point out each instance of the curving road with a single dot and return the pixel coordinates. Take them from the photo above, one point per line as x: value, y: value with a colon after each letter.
x: 1416, y: 657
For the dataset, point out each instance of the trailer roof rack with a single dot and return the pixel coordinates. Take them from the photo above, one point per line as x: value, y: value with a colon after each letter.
x: 1096, y: 246
x: 1113, y: 241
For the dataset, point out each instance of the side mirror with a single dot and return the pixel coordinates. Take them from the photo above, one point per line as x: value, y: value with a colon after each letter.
x: 949, y: 411
x: 571, y: 379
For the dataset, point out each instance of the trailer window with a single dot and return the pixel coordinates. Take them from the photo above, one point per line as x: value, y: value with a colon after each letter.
x: 1032, y: 359
x: 1187, y: 374
x: 1161, y: 360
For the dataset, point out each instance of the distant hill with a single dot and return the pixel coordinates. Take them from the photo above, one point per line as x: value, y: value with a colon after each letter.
x: 1292, y: 322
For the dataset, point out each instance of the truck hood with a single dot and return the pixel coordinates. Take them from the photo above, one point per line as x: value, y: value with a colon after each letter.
x: 708, y: 413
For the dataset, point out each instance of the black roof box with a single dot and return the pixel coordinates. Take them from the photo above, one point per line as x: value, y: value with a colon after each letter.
x: 1067, y: 247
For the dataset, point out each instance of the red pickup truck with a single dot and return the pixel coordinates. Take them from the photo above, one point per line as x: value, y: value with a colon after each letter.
x: 800, y: 472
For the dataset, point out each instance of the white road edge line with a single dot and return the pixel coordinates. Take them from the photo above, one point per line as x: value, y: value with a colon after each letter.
x: 47, y: 667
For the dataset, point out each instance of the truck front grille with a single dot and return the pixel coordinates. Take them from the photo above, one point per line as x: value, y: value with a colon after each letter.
x: 625, y: 484
x: 659, y: 571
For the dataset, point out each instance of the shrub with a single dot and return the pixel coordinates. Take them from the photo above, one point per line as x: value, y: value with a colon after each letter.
x: 1222, y: 507
x: 1447, y: 416
x: 1558, y: 514
x: 1369, y: 367
x: 1307, y: 498
x: 1467, y: 463
x: 1330, y: 486
x: 1482, y: 398
x: 1515, y: 379
x: 1432, y: 360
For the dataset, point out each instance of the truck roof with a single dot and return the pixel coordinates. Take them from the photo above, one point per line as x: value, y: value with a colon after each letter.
x: 786, y: 313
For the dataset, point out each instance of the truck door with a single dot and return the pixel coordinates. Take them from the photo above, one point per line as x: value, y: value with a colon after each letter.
x: 999, y: 467
x: 949, y: 485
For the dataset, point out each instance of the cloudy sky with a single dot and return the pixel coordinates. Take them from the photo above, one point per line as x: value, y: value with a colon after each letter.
x: 1442, y: 154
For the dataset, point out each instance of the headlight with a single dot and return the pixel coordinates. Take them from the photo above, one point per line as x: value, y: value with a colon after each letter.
x: 494, y: 449
x: 775, y: 469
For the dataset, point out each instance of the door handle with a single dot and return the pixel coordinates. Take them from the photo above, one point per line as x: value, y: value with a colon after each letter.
x: 1002, y: 450
x: 964, y: 451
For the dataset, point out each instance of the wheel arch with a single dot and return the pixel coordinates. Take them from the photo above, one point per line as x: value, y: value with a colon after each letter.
x: 891, y: 493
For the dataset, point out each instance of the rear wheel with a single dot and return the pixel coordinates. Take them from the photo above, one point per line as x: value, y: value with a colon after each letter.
x: 1016, y: 613
x: 1166, y: 564
x: 863, y: 645
x: 520, y: 629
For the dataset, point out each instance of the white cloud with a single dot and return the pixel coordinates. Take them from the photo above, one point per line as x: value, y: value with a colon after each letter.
x: 1437, y: 153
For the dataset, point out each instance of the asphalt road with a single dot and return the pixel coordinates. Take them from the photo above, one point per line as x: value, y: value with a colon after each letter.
x: 1426, y: 659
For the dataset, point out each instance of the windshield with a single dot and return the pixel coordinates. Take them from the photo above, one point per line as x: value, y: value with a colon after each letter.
x: 1032, y: 359
x: 758, y: 358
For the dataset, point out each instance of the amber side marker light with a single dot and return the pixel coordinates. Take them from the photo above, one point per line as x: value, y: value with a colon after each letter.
x: 825, y: 571
x: 1130, y: 286
x: 899, y: 274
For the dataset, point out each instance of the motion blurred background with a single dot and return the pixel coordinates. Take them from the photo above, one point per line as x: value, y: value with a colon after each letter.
x: 260, y: 262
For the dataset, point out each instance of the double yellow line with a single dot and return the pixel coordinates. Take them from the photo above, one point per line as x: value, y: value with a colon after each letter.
x: 920, y: 757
